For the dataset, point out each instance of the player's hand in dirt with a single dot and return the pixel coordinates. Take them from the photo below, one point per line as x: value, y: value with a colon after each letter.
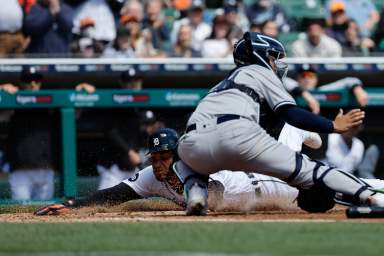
x: 343, y: 123
x: 52, y: 209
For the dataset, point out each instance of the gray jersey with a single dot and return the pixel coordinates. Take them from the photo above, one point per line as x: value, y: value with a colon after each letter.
x: 264, y: 82
x: 244, y: 144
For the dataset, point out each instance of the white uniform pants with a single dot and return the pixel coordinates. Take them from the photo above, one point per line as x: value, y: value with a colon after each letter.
x: 32, y: 184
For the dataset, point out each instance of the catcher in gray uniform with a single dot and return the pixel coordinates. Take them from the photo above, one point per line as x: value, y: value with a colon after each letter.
x: 229, y: 131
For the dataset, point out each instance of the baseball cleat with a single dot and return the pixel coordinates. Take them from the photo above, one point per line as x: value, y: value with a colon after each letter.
x: 197, y: 203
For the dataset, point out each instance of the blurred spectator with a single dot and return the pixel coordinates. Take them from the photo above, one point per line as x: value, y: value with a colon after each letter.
x: 144, y: 47
x: 218, y: 45
x: 297, y: 91
x: 354, y: 44
x: 255, y: 27
x: 347, y: 32
x: 269, y: 28
x: 133, y: 8
x: 307, y: 79
x: 86, y: 48
x: 231, y: 12
x: 32, y: 146
x: 123, y: 129
x: 101, y: 14
x: 263, y: 10
x: 378, y: 35
x: 49, y: 25
x: 337, y: 22
x: 126, y: 133
x: 241, y: 17
x: 12, y: 41
x: 315, y: 43
x: 131, y: 80
x: 362, y: 11
x: 116, y: 6
x: 4, y: 165
x: 200, y: 29
x: 121, y: 46
x: 183, y: 47
x: 33, y: 143
x: 121, y: 147
x: 27, y: 4
x: 155, y: 23
x: 134, y: 28
x: 346, y: 152
x: 180, y: 5
x: 84, y: 45
x: 149, y: 124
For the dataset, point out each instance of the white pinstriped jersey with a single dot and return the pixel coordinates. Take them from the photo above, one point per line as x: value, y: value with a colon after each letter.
x: 252, y: 189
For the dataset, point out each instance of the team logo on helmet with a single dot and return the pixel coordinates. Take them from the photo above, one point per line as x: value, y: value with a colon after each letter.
x: 163, y: 139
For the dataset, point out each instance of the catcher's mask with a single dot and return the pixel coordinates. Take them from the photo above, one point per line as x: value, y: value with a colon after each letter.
x: 259, y: 49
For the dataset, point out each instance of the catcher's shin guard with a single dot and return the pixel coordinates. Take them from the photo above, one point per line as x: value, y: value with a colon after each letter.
x: 374, y: 207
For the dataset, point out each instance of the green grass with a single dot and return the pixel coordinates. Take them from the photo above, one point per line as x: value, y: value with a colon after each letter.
x: 197, y: 238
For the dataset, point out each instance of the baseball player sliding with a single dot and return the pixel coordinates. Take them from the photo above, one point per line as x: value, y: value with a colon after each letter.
x: 228, y: 131
x: 228, y: 190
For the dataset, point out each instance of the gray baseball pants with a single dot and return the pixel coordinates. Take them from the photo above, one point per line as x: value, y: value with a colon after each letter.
x: 242, y: 145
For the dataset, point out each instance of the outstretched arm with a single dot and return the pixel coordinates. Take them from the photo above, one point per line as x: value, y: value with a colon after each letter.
x: 114, y: 195
x: 306, y: 120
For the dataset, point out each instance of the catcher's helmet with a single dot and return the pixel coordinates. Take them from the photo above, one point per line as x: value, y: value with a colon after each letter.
x: 163, y: 139
x: 259, y: 49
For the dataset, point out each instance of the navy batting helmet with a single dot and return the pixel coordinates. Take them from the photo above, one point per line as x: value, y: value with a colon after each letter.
x: 163, y: 139
x: 259, y: 49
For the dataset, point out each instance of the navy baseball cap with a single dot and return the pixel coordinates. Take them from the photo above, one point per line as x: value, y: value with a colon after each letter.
x: 306, y: 68
x: 30, y: 74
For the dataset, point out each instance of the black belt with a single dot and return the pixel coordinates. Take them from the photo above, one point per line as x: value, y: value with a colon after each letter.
x: 220, y: 119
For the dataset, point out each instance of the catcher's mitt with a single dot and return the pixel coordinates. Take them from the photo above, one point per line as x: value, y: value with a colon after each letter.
x: 52, y: 209
x: 316, y: 199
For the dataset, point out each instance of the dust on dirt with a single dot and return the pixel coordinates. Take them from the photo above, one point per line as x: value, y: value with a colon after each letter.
x: 164, y: 210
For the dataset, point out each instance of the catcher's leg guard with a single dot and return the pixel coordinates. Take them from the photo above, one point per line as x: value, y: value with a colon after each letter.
x: 195, y: 189
x: 356, y: 190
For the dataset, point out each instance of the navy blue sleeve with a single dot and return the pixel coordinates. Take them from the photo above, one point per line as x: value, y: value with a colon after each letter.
x: 304, y: 119
x: 38, y: 21
x: 65, y: 19
x: 114, y: 195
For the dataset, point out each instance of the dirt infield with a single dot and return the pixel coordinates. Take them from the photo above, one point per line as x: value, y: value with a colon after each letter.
x: 163, y: 210
x: 167, y: 211
x: 80, y: 216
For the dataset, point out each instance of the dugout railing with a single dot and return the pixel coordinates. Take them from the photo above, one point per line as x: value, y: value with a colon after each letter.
x: 176, y: 72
